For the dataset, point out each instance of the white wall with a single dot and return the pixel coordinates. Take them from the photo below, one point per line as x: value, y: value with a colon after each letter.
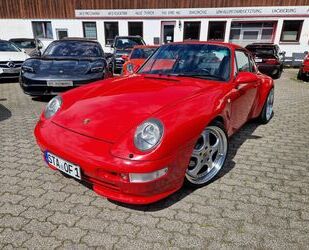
x: 16, y: 28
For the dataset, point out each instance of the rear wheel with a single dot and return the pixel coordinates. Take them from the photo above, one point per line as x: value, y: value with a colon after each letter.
x: 208, y: 156
x: 300, y: 75
x: 277, y: 75
x: 267, y: 111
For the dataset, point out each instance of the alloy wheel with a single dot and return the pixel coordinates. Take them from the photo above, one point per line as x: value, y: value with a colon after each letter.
x: 208, y: 156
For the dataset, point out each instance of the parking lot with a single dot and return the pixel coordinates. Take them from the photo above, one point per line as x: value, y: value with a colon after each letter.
x: 260, y: 201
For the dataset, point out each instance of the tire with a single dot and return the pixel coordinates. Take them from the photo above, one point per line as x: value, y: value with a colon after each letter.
x: 208, y: 156
x: 267, y: 111
x: 277, y: 75
x: 300, y: 75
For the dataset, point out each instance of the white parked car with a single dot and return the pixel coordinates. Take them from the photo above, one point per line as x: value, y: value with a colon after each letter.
x: 11, y: 59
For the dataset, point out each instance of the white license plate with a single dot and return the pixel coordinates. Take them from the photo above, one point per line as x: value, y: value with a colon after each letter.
x: 11, y: 71
x: 258, y: 60
x: 63, y: 165
x: 59, y: 83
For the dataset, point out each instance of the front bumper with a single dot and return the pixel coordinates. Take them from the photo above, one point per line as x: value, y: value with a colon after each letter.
x: 105, y: 172
x: 5, y: 74
x: 38, y: 87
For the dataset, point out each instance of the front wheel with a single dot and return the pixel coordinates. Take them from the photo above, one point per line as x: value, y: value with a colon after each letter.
x: 208, y: 156
x: 267, y: 111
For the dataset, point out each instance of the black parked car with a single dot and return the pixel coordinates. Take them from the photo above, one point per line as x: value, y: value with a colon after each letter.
x: 268, y: 58
x: 64, y: 64
x: 123, y: 45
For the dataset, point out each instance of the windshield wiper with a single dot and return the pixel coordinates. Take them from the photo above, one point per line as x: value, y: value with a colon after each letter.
x: 202, y: 76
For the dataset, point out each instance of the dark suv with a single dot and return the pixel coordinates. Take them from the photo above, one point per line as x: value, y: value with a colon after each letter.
x: 123, y: 45
x: 268, y: 58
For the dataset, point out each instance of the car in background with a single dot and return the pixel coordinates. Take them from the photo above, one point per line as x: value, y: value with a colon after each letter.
x: 11, y: 59
x: 136, y: 58
x: 138, y: 139
x: 65, y: 64
x: 123, y: 45
x: 31, y: 46
x: 303, y: 73
x: 268, y: 58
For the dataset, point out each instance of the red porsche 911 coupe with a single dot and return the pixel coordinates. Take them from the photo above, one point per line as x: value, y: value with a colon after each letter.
x: 137, y: 139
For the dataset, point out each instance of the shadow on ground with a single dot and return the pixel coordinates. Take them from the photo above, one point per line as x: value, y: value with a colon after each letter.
x: 8, y: 80
x: 4, y: 113
x: 42, y: 98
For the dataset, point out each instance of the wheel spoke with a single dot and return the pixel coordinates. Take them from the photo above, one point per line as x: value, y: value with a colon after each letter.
x: 198, y: 166
x: 206, y: 139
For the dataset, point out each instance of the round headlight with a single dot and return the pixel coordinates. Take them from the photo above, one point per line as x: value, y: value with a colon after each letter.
x: 148, y: 134
x: 53, y: 106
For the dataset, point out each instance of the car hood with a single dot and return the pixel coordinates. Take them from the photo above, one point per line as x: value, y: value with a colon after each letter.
x: 12, y: 56
x: 110, y: 108
x: 49, y: 66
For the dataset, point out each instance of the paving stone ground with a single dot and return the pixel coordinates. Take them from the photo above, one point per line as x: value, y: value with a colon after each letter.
x: 260, y: 201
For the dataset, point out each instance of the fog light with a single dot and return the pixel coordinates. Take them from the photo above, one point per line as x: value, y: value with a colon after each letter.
x: 146, y: 177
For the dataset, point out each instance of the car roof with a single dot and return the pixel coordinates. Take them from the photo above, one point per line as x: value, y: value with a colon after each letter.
x: 76, y: 39
x: 128, y: 36
x: 229, y: 45
x: 25, y: 39
x: 261, y: 45
x: 145, y: 46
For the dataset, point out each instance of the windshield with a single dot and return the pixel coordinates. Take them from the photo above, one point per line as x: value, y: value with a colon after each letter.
x: 8, y: 47
x: 205, y: 61
x: 142, y: 53
x: 262, y: 51
x: 25, y: 44
x: 73, y: 49
x: 123, y: 43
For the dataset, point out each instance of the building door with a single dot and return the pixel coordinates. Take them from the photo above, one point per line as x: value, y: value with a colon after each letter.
x: 167, y: 31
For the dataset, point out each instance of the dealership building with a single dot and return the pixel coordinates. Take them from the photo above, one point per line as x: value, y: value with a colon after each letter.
x: 160, y: 21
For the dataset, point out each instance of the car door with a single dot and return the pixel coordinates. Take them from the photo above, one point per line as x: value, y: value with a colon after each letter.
x: 244, y: 94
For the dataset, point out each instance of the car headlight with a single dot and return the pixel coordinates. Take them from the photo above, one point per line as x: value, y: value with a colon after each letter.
x: 97, y: 69
x: 148, y: 134
x: 27, y: 69
x: 53, y: 106
x: 130, y: 68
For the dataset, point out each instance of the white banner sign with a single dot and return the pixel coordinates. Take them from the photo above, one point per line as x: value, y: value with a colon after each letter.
x: 196, y: 12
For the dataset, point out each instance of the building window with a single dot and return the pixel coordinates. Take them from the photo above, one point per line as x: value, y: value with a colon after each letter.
x: 111, y: 30
x: 291, y: 30
x: 135, y: 28
x: 250, y: 35
x: 191, y: 30
x: 61, y: 33
x: 244, y: 33
x: 42, y: 30
x: 90, y: 30
x: 216, y: 31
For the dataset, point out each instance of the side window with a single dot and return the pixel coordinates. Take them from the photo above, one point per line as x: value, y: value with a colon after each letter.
x: 243, y: 61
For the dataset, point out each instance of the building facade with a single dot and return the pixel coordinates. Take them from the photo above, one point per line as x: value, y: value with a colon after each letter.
x: 285, y: 23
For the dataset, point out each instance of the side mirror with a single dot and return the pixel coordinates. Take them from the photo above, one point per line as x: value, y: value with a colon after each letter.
x: 125, y: 57
x: 40, y: 46
x: 23, y: 51
x: 245, y: 77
